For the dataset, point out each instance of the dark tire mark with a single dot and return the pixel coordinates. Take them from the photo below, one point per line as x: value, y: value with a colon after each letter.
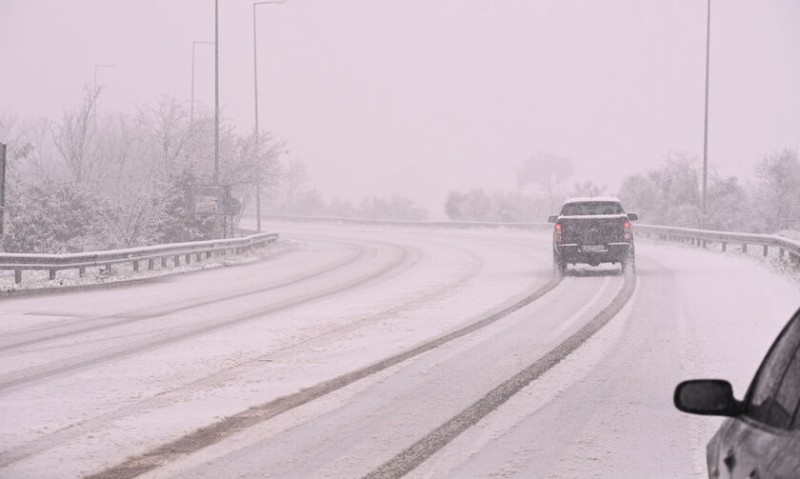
x: 64, y: 435
x: 419, y: 452
x: 228, y: 426
x: 32, y: 375
x: 146, y: 314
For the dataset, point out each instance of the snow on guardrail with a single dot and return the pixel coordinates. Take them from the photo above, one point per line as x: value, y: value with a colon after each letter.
x: 705, y: 237
x: 105, y: 259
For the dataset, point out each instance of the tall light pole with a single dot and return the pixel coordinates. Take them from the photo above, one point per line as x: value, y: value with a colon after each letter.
x: 216, y: 92
x: 2, y: 187
x: 216, y: 107
x: 191, y: 112
x: 257, y: 133
x: 705, y: 120
x: 97, y: 66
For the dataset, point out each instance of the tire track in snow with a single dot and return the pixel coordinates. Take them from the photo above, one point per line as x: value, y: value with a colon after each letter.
x: 66, y: 434
x: 143, y: 314
x: 228, y: 426
x: 417, y: 453
x: 36, y: 374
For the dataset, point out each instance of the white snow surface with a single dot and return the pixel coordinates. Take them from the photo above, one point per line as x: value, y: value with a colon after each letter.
x: 341, y: 298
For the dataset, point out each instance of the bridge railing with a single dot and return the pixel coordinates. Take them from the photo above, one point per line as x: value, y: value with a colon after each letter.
x: 177, y: 253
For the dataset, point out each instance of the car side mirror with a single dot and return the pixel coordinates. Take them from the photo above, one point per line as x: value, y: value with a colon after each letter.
x: 552, y: 218
x: 708, y: 397
x: 633, y: 216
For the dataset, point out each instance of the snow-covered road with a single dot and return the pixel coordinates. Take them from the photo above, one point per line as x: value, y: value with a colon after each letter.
x: 347, y: 346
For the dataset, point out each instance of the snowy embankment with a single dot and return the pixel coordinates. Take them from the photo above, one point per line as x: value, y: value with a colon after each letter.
x: 91, y: 378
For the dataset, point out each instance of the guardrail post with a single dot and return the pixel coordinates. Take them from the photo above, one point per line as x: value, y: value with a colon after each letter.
x: 208, y: 254
x: 136, y: 266
x: 199, y: 257
x: 705, y: 244
x: 82, y: 271
x: 189, y: 258
x: 744, y: 248
x: 108, y: 269
x: 17, y: 275
x: 766, y: 251
x: 724, y: 246
x: 151, y: 264
x: 52, y: 274
x: 163, y: 261
x: 780, y: 252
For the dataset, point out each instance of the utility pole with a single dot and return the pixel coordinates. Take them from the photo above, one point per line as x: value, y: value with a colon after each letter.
x: 705, y: 120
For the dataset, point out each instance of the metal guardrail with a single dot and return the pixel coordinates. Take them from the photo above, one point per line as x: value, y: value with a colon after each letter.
x: 106, y: 259
x: 704, y: 237
x: 698, y: 237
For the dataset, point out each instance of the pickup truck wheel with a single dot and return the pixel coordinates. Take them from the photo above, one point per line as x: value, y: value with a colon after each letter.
x: 628, y: 264
x: 559, y: 266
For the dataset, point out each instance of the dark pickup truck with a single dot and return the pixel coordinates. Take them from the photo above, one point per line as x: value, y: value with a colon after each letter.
x: 593, y: 231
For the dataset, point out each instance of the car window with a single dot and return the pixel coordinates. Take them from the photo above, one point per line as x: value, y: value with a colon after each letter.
x: 774, y: 395
x: 592, y: 208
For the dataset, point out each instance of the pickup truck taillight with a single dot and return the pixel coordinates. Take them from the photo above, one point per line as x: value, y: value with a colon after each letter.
x: 557, y: 233
x: 626, y: 228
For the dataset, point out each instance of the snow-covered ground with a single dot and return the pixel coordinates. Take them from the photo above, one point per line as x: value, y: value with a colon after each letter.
x: 90, y: 378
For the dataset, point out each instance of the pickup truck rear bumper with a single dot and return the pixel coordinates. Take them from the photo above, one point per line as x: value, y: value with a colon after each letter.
x: 610, y: 253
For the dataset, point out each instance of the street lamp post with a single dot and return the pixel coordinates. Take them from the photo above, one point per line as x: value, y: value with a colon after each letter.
x: 705, y: 120
x: 191, y: 111
x: 94, y: 88
x: 216, y: 93
x: 99, y: 66
x: 255, y: 96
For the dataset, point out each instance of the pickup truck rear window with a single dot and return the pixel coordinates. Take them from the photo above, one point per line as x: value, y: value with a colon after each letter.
x: 591, y: 208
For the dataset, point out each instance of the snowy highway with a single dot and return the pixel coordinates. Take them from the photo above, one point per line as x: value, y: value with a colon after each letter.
x: 382, y: 352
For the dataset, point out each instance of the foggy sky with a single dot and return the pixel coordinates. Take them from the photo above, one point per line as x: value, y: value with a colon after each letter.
x: 417, y: 97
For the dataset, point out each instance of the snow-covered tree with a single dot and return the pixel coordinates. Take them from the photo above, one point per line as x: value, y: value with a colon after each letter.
x: 777, y: 190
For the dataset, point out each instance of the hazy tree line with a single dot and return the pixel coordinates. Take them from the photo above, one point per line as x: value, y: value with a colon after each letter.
x: 542, y: 184
x: 670, y: 195
x: 295, y: 196
x: 91, y: 180
x: 94, y: 180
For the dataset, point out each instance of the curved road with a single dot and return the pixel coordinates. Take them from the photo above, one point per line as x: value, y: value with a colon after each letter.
x: 382, y: 352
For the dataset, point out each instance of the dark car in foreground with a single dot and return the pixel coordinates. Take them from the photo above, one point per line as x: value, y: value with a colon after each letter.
x: 592, y: 231
x: 761, y: 437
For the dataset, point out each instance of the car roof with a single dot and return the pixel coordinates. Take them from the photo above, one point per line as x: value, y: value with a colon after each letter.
x: 587, y: 199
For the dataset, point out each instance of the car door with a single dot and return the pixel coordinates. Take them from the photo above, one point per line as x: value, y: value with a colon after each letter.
x: 763, y: 442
